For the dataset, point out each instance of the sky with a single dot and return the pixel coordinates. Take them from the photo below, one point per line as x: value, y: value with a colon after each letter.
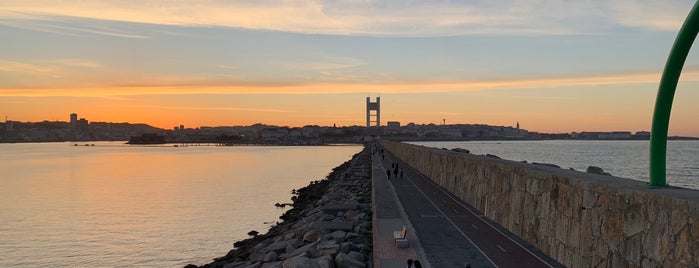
x: 553, y: 66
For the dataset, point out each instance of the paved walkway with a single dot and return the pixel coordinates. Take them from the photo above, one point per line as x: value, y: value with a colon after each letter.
x: 448, y: 232
x: 388, y: 216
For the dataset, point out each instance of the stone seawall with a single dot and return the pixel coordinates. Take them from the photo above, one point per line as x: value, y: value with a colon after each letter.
x: 579, y: 219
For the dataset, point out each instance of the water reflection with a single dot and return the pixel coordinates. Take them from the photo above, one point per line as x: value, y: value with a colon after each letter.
x: 113, y: 205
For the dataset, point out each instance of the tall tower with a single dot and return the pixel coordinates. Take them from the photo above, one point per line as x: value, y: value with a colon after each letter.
x: 73, y: 120
x: 373, y: 106
x: 8, y: 124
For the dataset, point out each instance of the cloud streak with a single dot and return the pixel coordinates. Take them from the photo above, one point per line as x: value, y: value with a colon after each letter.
x: 391, y: 18
x: 61, y: 25
x: 689, y: 75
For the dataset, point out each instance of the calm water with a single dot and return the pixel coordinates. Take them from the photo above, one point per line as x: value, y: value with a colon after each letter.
x: 115, y: 205
x: 628, y: 159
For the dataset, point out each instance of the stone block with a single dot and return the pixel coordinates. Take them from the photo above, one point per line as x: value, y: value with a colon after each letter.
x: 632, y: 248
x: 678, y: 217
x: 682, y: 252
x: 611, y: 229
x: 635, y: 219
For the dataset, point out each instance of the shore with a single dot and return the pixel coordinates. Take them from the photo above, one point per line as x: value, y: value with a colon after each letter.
x: 329, y: 226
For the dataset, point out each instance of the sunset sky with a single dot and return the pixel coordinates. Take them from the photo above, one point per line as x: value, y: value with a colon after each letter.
x: 552, y: 66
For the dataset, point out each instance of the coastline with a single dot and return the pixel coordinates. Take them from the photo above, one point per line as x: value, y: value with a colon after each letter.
x: 329, y: 225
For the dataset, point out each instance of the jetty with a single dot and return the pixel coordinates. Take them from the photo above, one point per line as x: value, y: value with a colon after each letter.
x: 395, y: 202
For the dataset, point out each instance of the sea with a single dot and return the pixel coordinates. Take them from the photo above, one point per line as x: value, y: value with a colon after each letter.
x: 107, y: 204
x: 626, y: 159
x: 115, y: 205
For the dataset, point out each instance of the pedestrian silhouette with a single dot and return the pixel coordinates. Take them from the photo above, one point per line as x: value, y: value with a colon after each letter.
x: 417, y: 264
x: 410, y: 263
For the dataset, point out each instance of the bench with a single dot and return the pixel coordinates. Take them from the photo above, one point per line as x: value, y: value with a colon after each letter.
x: 400, y: 237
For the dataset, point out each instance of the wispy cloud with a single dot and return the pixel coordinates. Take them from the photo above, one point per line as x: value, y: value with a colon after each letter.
x: 27, y: 68
x: 61, y: 25
x: 218, y: 109
x: 81, y: 63
x: 344, y: 88
x: 395, y: 18
x: 650, y: 14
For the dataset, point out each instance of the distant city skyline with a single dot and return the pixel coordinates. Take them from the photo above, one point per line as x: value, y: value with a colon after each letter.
x: 74, y: 123
x: 552, y: 66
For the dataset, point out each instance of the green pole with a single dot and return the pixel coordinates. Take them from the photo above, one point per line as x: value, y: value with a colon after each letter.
x: 666, y: 92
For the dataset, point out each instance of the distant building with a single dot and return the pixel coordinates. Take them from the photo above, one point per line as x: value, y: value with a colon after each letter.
x: 81, y: 124
x: 642, y: 135
x: 450, y: 132
x: 392, y: 128
x: 73, y: 120
x: 272, y: 134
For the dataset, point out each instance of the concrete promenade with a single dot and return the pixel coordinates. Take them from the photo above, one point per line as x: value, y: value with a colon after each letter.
x: 388, y: 216
x: 443, y: 232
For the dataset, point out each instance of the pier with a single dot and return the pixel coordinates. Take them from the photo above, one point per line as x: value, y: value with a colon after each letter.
x: 442, y: 230
x: 493, y: 212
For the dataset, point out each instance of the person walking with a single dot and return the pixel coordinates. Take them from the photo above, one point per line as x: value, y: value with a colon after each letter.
x: 417, y: 264
x: 410, y: 263
x: 388, y: 173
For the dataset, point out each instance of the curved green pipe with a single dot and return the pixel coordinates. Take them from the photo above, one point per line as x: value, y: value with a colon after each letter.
x: 666, y: 92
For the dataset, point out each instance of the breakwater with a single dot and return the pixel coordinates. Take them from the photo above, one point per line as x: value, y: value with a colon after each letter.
x: 579, y: 219
x: 329, y: 226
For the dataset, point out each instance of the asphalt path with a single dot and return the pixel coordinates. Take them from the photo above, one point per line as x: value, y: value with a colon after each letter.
x: 451, y: 232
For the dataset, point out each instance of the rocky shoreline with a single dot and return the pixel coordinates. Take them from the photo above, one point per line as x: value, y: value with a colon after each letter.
x: 329, y: 226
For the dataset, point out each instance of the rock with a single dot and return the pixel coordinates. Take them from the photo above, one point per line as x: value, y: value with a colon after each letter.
x: 270, y: 256
x: 257, y: 256
x: 596, y: 170
x: 280, y: 247
x: 351, y: 214
x: 272, y: 264
x: 339, y: 234
x: 290, y: 235
x: 325, y: 261
x: 328, y: 245
x: 546, y: 164
x: 345, y: 247
x: 357, y: 240
x: 356, y: 255
x: 343, y: 260
x: 311, y: 236
x: 307, y: 249
x: 244, y: 264
x: 362, y: 227
x: 299, y: 262
x: 459, y: 150
x: 328, y: 251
